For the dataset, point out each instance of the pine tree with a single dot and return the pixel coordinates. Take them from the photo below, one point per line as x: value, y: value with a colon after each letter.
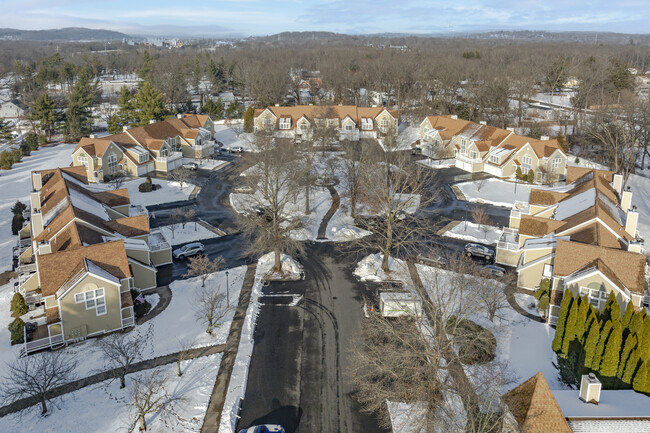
x: 611, y: 355
x: 18, y: 305
x: 581, y: 318
x: 561, y: 320
x: 628, y: 347
x: 569, y: 329
x: 126, y: 110
x: 83, y: 95
x: 600, y: 347
x: 611, y: 306
x: 146, y: 68
x: 149, y: 104
x: 640, y: 381
x: 5, y: 130
x: 644, y: 354
x: 44, y: 111
x: 631, y: 366
x: 636, y: 324
x: 249, y: 119
x: 627, y: 317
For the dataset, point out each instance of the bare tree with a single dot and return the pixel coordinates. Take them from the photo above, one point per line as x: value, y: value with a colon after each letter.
x: 37, y: 376
x: 201, y: 266
x: 237, y: 127
x: 121, y: 352
x: 273, y: 176
x: 184, y: 353
x: 150, y: 395
x: 481, y: 217
x: 354, y: 164
x: 174, y: 220
x: 190, y: 215
x: 181, y: 175
x: 118, y: 179
x: 491, y: 294
x: 210, y: 307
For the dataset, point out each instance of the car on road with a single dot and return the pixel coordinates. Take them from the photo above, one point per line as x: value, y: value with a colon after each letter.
x: 191, y: 166
x: 266, y: 428
x: 188, y: 250
x: 480, y: 251
x: 432, y: 260
x: 236, y: 149
x: 495, y: 270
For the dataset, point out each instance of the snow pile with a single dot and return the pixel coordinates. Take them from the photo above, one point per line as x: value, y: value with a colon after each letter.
x: 291, y: 269
x: 206, y: 163
x: 345, y: 234
x: 191, y: 233
x: 152, y: 299
x: 17, y: 185
x: 486, y: 234
x: 437, y: 163
x: 170, y: 191
x: 106, y: 408
x: 369, y: 269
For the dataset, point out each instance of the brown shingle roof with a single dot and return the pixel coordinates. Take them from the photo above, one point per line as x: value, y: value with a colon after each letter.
x: 130, y: 226
x: 446, y: 126
x: 115, y: 197
x: 57, y: 268
x: 534, y: 407
x: 126, y: 299
x: 537, y: 226
x: 340, y: 112
x: 52, y: 315
x: 628, y: 267
x: 544, y: 197
x: 574, y: 173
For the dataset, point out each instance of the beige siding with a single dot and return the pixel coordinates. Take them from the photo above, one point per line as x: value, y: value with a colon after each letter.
x: 541, y: 211
x: 77, y: 318
x: 161, y: 257
x: 143, y: 277
x: 31, y: 284
x: 530, y: 277
x: 507, y: 257
x: 140, y: 255
x: 426, y: 124
x: 536, y: 254
x: 597, y: 281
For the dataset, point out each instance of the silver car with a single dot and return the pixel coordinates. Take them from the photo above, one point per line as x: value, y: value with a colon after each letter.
x: 188, y: 250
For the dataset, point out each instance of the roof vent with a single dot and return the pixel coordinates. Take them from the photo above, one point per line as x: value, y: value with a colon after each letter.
x: 590, y: 388
x: 277, y: 105
x: 455, y: 117
x: 179, y: 115
x: 125, y: 128
x: 91, y: 136
x: 483, y: 122
x: 544, y: 138
x: 510, y: 128
x: 152, y: 121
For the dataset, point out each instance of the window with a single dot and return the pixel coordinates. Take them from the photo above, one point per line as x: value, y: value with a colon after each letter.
x: 79, y: 297
x: 526, y: 164
x: 164, y: 152
x: 331, y: 123
x: 383, y: 124
x: 597, y: 297
x: 366, y: 124
x: 463, y: 146
x: 304, y: 126
x: 83, y: 160
x: 473, y: 154
x: 143, y: 157
x: 93, y: 299
x: 197, y: 141
x: 112, y: 163
x: 348, y: 127
x: 285, y: 122
x: 268, y: 122
x: 555, y: 163
x: 495, y: 159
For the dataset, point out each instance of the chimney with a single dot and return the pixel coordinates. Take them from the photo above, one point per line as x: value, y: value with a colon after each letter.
x: 544, y: 138
x: 37, y: 180
x: 590, y: 388
x: 626, y: 201
x: 179, y: 115
x: 125, y: 128
x: 277, y: 105
x: 618, y: 183
x: 631, y: 221
x: 35, y: 201
x: 37, y: 224
x: 483, y: 122
x: 152, y: 121
x: 91, y: 136
x: 510, y: 128
x: 455, y: 117
x: 44, y: 247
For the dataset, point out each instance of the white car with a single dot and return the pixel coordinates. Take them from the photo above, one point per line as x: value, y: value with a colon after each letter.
x: 236, y: 149
x: 266, y: 428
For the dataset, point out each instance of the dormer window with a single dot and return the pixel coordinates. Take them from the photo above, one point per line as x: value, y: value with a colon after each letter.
x: 348, y: 127
x: 366, y: 124
x: 285, y: 122
x: 495, y: 159
x: 83, y: 160
x: 304, y: 126
x: 143, y: 157
x: 331, y: 123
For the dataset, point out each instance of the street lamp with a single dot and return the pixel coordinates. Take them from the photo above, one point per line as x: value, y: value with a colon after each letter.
x: 227, y: 290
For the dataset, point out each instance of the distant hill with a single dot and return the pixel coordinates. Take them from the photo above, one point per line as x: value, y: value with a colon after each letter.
x: 70, y: 34
x: 578, y: 37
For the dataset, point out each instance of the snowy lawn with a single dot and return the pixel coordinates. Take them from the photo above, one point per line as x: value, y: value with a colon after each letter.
x: 206, y: 163
x: 190, y: 233
x: 641, y: 199
x: 163, y: 334
x: 499, y: 192
x: 369, y: 269
x: 16, y: 184
x: 486, y: 234
x: 228, y: 136
x: 291, y: 269
x: 107, y: 408
x: 438, y: 163
x: 170, y: 191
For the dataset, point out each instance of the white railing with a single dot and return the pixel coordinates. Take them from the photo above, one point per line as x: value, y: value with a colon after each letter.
x: 25, y: 268
x: 173, y: 156
x: 205, y: 146
x: 159, y: 246
x: 505, y: 245
x: 32, y: 298
x: 515, y: 214
x: 70, y: 283
x: 350, y: 135
x: 41, y: 343
x: 510, y: 231
x: 128, y: 321
x: 468, y: 159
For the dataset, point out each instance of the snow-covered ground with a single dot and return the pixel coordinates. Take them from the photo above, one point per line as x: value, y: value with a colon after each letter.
x: 406, y: 137
x: 227, y: 135
x: 16, y: 184
x: 161, y: 335
x: 190, y: 233
x: 153, y: 300
x: 206, y: 163
x: 107, y: 408
x: 291, y: 269
x: 499, y: 192
x: 640, y: 187
x: 488, y: 235
x: 563, y: 99
x: 438, y: 163
x: 369, y: 269
x: 170, y: 191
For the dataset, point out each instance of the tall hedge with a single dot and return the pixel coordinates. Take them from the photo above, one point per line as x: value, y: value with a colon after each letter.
x: 567, y: 299
x: 612, y: 352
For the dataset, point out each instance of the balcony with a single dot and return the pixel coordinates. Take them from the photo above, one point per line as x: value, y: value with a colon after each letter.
x: 173, y: 156
x: 44, y: 342
x: 207, y: 145
x: 468, y: 159
x: 509, y: 240
x: 128, y: 321
x: 157, y: 241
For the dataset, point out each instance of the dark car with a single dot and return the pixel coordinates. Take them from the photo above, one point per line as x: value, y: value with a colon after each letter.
x: 495, y: 270
x: 478, y: 250
x: 266, y: 428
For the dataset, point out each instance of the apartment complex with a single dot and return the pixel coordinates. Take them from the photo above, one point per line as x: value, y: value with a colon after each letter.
x: 500, y: 152
x: 348, y: 121
x: 156, y: 147
x: 80, y: 255
x: 582, y: 236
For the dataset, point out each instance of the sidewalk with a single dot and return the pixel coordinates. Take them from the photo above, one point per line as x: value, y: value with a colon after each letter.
x: 336, y: 202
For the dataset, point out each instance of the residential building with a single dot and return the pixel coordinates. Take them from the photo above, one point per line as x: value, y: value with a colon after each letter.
x: 500, y: 152
x: 13, y: 109
x: 348, y: 121
x: 83, y: 250
x: 156, y: 147
x: 533, y: 407
x: 582, y: 236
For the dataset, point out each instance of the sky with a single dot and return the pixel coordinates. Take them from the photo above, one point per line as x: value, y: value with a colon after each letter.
x: 264, y: 17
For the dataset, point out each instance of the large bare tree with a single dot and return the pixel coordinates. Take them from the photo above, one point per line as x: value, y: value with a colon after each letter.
x: 148, y: 395
x: 122, y: 351
x: 201, y: 266
x: 210, y: 307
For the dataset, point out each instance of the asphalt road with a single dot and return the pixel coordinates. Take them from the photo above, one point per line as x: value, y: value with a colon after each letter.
x: 298, y: 375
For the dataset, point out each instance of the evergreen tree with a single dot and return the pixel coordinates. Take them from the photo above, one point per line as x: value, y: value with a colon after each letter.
x: 600, y: 347
x: 149, y: 104
x: 630, y: 344
x: 126, y: 109
x: 581, y: 318
x: 17, y: 330
x: 249, y: 119
x: 636, y: 324
x: 561, y: 321
x: 83, y: 95
x: 611, y: 309
x: 645, y: 340
x: 631, y: 366
x: 569, y: 328
x: 627, y: 317
x: 233, y: 111
x: 593, y: 335
x: 611, y: 355
x: 146, y: 68
x: 213, y: 109
x: 18, y: 305
x: 5, y: 130
x: 640, y: 381
x: 44, y: 111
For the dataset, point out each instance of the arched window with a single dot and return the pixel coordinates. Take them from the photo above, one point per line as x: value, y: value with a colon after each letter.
x: 112, y: 163
x: 526, y: 164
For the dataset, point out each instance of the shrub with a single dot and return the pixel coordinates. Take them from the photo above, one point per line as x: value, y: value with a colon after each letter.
x: 42, y: 139
x: 17, y: 223
x: 18, y: 305
x: 31, y: 141
x: 477, y: 344
x: 146, y: 186
x: 531, y: 175
x: 18, y: 208
x: 17, y: 330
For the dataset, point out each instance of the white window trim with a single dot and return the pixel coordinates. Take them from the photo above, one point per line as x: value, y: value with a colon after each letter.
x: 590, y: 296
x: 548, y: 270
x: 285, y: 122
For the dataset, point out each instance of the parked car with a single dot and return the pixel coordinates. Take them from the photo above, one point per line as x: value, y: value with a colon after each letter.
x: 495, y: 270
x: 432, y: 260
x: 478, y: 250
x: 266, y: 428
x: 191, y: 166
x: 188, y: 250
x: 236, y: 149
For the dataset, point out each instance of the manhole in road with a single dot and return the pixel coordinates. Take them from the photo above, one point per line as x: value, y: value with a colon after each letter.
x: 288, y: 300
